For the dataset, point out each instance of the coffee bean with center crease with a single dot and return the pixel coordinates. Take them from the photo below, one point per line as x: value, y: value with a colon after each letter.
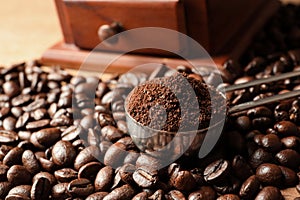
x: 249, y: 188
x: 8, y: 136
x: 88, y: 154
x: 183, y: 180
x: 18, y: 175
x: 217, y: 171
x: 89, y: 170
x: 126, y: 173
x: 22, y: 120
x: 269, y: 174
x: 19, y: 192
x: 39, y: 124
x: 175, y: 195
x: 121, y: 193
x: 269, y: 193
x: 228, y: 197
x: 80, y: 187
x: 63, y: 153
x: 60, y: 191
x: 115, y: 155
x: 40, y: 189
x: 65, y: 175
x: 289, y: 158
x: 145, y: 177
x: 260, y: 156
x: 45, y: 138
x: 104, y: 179
x: 46, y: 175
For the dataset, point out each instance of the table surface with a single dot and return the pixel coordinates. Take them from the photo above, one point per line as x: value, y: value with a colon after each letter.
x: 29, y: 27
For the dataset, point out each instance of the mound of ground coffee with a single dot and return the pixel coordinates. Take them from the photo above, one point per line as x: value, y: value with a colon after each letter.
x: 176, y: 103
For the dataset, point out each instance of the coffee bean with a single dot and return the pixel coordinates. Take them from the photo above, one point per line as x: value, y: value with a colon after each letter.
x: 289, y: 158
x: 13, y: 157
x: 41, y: 189
x: 89, y: 170
x: 269, y: 193
x: 30, y: 162
x: 18, y: 175
x: 145, y: 177
x: 126, y: 173
x: 269, y: 174
x: 71, y: 133
x: 65, y: 175
x: 8, y: 136
x: 111, y: 133
x: 291, y: 142
x: 175, y: 195
x: 38, y: 103
x: 260, y: 156
x: 121, y: 193
x: 241, y: 168
x: 286, y: 128
x: 4, y: 111
x: 216, y: 171
x: 249, y: 188
x: 22, y: 120
x: 47, y: 165
x: 97, y: 196
x: 228, y: 197
x: 45, y: 138
x: 60, y: 191
x: 183, y: 180
x: 261, y: 111
x: 243, y: 123
x: 271, y: 142
x: 104, y: 179
x: 9, y: 123
x: 11, y: 88
x: 19, y: 192
x: 39, y: 124
x: 141, y: 196
x: 88, y: 154
x: 80, y: 187
x: 63, y: 153
x: 115, y: 155
x: 228, y: 186
x: 4, y: 189
x: 205, y: 192
x: 289, y: 176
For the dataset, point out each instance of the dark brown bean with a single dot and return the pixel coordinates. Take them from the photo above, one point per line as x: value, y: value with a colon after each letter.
x: 13, y: 157
x: 122, y: 193
x: 269, y: 174
x: 80, y: 187
x: 40, y: 189
x: 97, y: 196
x: 65, y: 175
x: 104, y: 179
x: 269, y: 193
x: 286, y: 128
x: 289, y: 158
x: 216, y: 171
x: 89, y: 170
x: 45, y: 138
x: 8, y: 136
x: 88, y: 154
x: 228, y: 197
x: 145, y: 177
x: 30, y: 162
x: 63, y: 153
x: 18, y: 175
x: 250, y: 188
x: 205, y: 193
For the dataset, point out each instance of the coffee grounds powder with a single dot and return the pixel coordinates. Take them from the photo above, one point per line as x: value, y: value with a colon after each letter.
x: 175, y: 103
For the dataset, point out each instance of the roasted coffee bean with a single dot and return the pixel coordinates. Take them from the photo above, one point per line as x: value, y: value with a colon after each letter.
x: 4, y: 189
x: 63, y: 153
x: 175, y: 195
x: 216, y: 171
x: 38, y: 114
x: 4, y: 111
x: 126, y: 173
x: 47, y: 165
x: 260, y: 156
x: 18, y: 175
x: 3, y: 171
x: 9, y: 123
x: 271, y: 142
x: 87, y: 122
x: 269, y: 193
x: 88, y: 154
x: 30, y: 162
x: 243, y: 123
x: 289, y: 158
x: 131, y: 158
x: 13, y: 157
x: 228, y: 197
x: 228, y: 186
x: 291, y: 142
x: 205, y: 193
x: 258, y: 112
x: 60, y: 191
x: 89, y: 170
x: 197, y: 175
x: 45, y: 138
x: 46, y: 175
x: 269, y: 174
x: 111, y: 133
x: 36, y: 125
x: 145, y: 177
x: 8, y: 136
x: 97, y: 196
x: 38, y: 103
x: 286, y: 128
x: 104, y: 179
x: 249, y: 188
x: 121, y: 193
x: 80, y: 187
x: 141, y: 196
x: 115, y: 155
x: 11, y: 88
x: 71, y: 133
x: 65, y: 175
x: 41, y: 189
x: 183, y: 180
x: 241, y: 168
x: 22, y: 120
x: 289, y: 176
x: 19, y: 192
x: 261, y: 123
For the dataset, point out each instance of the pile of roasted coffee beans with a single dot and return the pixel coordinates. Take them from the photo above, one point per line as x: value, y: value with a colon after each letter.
x: 57, y: 129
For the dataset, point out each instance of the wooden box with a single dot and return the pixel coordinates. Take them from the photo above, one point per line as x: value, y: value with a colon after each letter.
x: 223, y: 28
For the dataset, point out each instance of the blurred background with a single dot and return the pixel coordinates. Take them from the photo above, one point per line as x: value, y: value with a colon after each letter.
x: 27, y: 29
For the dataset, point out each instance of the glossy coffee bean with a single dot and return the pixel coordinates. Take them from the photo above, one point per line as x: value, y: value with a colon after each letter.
x: 30, y: 162
x: 126, y: 173
x: 121, y: 193
x: 269, y: 193
x: 271, y: 142
x: 19, y: 192
x: 45, y: 138
x: 183, y: 180
x: 289, y: 176
x: 80, y: 187
x: 60, y: 191
x: 63, y: 153
x: 175, y: 195
x: 46, y: 175
x: 291, y: 142
x: 241, y: 168
x: 8, y: 136
x: 216, y: 171
x: 18, y: 175
x: 145, y: 177
x: 260, y: 156
x: 286, y: 128
x: 289, y: 158
x: 89, y: 170
x: 228, y: 197
x: 249, y: 188
x: 65, y: 175
x: 205, y: 193
x: 40, y: 189
x: 269, y: 174
x: 13, y: 157
x: 97, y: 196
x: 104, y: 179
x: 88, y: 154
